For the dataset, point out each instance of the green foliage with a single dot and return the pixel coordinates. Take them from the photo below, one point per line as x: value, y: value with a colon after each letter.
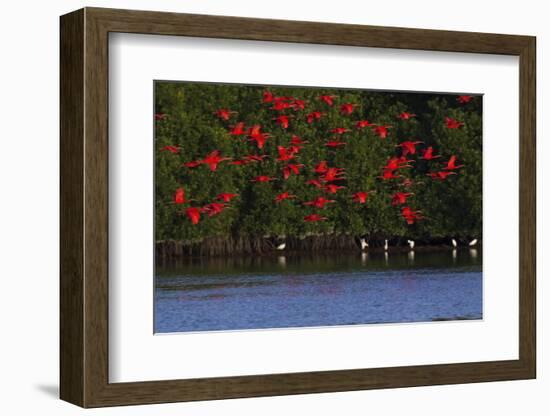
x: 452, y: 207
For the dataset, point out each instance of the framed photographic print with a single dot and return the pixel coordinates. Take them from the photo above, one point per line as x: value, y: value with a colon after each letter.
x: 256, y: 207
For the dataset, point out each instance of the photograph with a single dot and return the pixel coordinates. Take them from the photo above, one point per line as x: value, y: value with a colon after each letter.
x: 296, y: 207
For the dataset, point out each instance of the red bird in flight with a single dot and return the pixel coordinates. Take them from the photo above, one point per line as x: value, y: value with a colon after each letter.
x: 283, y: 121
x: 320, y: 202
x: 363, y: 123
x: 267, y: 97
x: 214, y: 208
x: 428, y: 154
x: 224, y: 113
x: 400, y: 198
x: 226, y: 197
x: 360, y: 197
x: 335, y: 143
x: 347, y: 108
x: 406, y: 116
x: 237, y: 129
x: 284, y: 196
x: 315, y: 115
x: 440, y: 176
x: 161, y: 116
x: 213, y: 159
x: 193, y: 164
x: 285, y: 154
x: 451, y: 123
x: 328, y: 99
x: 332, y: 188
x: 451, y: 164
x: 179, y: 196
x: 194, y: 214
x: 171, y: 149
x: 314, y: 218
x: 298, y: 104
x: 290, y: 169
x: 263, y: 178
x: 333, y: 174
x: 381, y: 131
x: 315, y: 183
x: 340, y: 130
x: 409, y: 147
x: 411, y: 216
x: 464, y: 99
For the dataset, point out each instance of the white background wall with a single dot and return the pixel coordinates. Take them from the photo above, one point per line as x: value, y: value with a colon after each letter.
x: 29, y: 158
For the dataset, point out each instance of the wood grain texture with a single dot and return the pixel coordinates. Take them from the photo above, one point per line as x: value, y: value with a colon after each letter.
x: 71, y: 100
x: 84, y: 201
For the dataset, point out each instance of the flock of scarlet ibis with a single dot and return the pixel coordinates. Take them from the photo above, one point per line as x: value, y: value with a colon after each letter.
x: 328, y: 178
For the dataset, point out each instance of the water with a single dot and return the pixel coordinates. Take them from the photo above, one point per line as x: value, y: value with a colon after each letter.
x: 321, y: 290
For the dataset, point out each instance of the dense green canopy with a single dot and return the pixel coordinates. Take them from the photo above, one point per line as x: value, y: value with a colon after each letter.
x: 450, y: 207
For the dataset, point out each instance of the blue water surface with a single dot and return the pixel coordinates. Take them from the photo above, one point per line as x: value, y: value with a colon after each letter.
x: 317, y: 290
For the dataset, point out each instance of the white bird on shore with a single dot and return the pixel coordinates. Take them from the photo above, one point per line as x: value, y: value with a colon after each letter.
x: 385, y: 245
x: 281, y: 246
x: 411, y: 244
x: 473, y: 242
x: 363, y: 243
x: 454, y: 243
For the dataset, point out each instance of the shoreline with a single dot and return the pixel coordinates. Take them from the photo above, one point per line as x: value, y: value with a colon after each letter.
x: 173, y: 250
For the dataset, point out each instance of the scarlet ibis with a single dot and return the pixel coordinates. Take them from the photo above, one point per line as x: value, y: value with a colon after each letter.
x: 179, y: 196
x: 321, y: 167
x: 440, y: 176
x: 395, y: 163
x: 291, y: 169
x: 213, y: 159
x: 298, y: 104
x: 193, y: 163
x: 283, y: 196
x: 314, y: 218
x: 214, y: 208
x: 171, y: 149
x: 280, y: 105
x: 237, y: 129
x: 451, y: 164
x: 381, y: 131
x: 328, y: 99
x: 400, y: 198
x: 224, y: 113
x: 360, y: 197
x: 347, y: 108
x: 340, y: 130
x: 315, y: 183
x: 333, y: 188
x: 239, y: 162
x: 194, y: 214
x: 315, y: 115
x: 473, y: 242
x: 255, y: 129
x: 428, y: 154
x: 333, y: 174
x: 451, y: 123
x: 409, y: 147
x: 406, y: 115
x: 285, y: 154
x: 161, y: 116
x: 410, y: 216
x: 389, y: 174
x: 335, y: 144
x: 255, y: 158
x: 363, y: 123
x: 283, y: 121
x: 297, y: 141
x: 260, y: 139
x: 320, y: 202
x: 263, y: 178
x: 226, y: 197
x: 464, y: 99
x: 267, y: 97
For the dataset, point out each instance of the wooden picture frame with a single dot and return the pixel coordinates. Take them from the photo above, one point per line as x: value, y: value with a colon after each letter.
x: 84, y: 207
